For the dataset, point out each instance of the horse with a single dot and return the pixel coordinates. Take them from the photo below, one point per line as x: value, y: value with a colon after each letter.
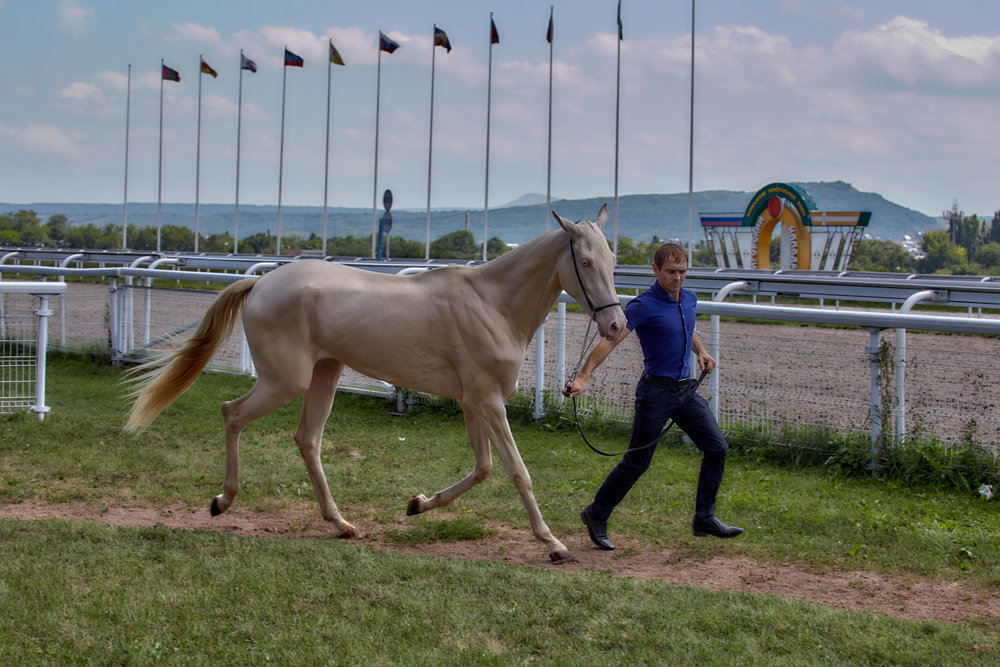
x: 466, y: 332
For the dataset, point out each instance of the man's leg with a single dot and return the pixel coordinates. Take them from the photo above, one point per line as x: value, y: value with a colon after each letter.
x: 654, y: 403
x: 699, y: 423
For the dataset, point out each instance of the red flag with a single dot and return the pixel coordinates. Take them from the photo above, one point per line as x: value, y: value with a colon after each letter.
x: 494, y: 35
x: 548, y: 35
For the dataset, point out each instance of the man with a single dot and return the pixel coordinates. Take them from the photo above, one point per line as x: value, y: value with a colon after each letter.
x: 663, y: 317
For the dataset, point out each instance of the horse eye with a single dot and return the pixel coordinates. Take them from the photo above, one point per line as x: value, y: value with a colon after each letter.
x: 586, y: 262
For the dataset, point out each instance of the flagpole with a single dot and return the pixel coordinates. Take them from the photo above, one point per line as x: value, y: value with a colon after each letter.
x: 128, y: 111
x: 691, y: 150
x: 618, y: 96
x: 548, y: 170
x: 326, y: 169
x: 159, y: 187
x: 489, y: 96
x: 281, y: 153
x: 239, y: 123
x: 430, y: 148
x: 197, y: 160
x: 378, y: 95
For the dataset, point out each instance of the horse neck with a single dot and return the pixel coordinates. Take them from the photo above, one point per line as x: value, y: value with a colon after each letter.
x: 527, y: 279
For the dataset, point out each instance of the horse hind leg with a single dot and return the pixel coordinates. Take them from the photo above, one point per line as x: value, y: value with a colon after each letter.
x: 481, y: 469
x: 316, y: 405
x: 262, y: 399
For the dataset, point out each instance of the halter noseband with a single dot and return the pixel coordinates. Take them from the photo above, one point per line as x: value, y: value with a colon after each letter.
x: 590, y: 304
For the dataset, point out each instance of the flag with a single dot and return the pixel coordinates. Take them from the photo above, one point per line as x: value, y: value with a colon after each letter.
x: 386, y: 44
x: 548, y: 35
x: 246, y: 63
x: 335, y: 55
x: 441, y: 39
x: 207, y: 69
x: 494, y: 35
x: 619, y: 20
x: 169, y: 74
x: 292, y: 60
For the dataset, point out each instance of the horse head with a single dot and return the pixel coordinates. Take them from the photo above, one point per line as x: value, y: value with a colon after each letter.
x: 587, y: 273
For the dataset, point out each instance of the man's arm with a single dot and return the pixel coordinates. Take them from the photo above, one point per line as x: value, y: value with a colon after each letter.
x: 600, y: 352
x: 705, y: 360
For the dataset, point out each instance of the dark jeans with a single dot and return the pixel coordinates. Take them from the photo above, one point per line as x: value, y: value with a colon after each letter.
x: 656, y: 401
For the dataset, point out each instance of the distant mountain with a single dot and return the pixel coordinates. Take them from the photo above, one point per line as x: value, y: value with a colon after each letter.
x: 528, y: 200
x: 640, y: 217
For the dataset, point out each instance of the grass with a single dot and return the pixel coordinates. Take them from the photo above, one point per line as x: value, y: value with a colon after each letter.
x: 93, y: 594
x: 84, y: 593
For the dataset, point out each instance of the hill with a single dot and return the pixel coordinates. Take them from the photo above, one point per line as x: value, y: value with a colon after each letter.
x: 640, y: 217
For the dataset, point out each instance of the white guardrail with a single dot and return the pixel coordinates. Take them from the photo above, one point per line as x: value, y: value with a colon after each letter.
x: 125, y: 319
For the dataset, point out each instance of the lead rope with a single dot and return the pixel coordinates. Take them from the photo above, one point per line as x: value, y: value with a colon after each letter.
x: 692, y: 389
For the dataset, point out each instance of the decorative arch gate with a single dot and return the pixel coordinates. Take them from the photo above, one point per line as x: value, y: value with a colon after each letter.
x: 810, y: 239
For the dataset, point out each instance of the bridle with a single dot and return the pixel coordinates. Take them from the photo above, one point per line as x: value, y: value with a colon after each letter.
x: 579, y: 278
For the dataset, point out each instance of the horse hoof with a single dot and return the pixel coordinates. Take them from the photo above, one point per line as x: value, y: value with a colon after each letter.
x: 413, y: 507
x: 561, y: 557
x: 214, y: 509
x: 348, y: 533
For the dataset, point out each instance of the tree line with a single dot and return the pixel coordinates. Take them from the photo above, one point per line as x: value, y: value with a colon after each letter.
x: 970, y: 245
x: 24, y: 228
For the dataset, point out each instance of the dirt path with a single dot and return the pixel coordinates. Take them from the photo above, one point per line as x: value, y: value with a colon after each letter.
x: 903, y: 597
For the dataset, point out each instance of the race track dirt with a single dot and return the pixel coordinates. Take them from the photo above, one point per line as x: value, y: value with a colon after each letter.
x: 857, y: 590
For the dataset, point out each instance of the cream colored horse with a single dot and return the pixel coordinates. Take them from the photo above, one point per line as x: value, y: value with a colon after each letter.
x: 459, y: 332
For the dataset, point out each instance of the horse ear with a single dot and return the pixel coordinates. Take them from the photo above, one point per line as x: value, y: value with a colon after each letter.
x: 568, y: 225
x: 602, y: 217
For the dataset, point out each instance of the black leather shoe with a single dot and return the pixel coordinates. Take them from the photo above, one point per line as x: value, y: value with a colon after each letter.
x: 598, y: 530
x: 714, y: 527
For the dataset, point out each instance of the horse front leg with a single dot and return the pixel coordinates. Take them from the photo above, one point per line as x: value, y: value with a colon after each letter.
x: 482, y: 465
x: 495, y: 416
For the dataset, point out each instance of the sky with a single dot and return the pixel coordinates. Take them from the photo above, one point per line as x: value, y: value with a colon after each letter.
x: 898, y: 97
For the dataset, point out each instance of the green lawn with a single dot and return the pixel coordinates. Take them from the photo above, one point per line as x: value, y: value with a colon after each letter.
x: 73, y: 593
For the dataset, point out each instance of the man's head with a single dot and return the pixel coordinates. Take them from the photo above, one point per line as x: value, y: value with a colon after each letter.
x: 670, y: 268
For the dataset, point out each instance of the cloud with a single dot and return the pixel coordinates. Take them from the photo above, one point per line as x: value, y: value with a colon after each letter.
x: 909, y: 54
x: 39, y: 138
x: 74, y: 19
x: 100, y: 98
x: 78, y: 90
x: 197, y: 33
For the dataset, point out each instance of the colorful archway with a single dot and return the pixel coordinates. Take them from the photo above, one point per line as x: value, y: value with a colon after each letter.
x: 810, y: 239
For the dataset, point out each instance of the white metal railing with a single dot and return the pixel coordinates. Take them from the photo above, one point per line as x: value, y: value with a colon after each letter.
x: 22, y: 357
x: 764, y: 391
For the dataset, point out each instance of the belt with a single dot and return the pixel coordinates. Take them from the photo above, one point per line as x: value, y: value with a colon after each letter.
x: 664, y: 380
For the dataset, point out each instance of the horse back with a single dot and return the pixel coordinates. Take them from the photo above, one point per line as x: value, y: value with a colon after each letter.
x: 432, y: 332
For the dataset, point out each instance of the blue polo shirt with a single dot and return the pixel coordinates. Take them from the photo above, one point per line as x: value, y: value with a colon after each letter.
x: 665, y: 328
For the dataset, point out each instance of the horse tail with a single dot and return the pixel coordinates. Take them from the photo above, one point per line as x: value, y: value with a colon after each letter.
x: 156, y: 384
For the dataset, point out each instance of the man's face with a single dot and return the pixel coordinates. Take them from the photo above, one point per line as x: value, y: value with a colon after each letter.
x: 671, y: 276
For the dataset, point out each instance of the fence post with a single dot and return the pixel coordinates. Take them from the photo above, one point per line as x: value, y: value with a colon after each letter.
x: 560, y: 351
x: 874, y: 350
x: 41, y: 345
x: 113, y: 316
x: 539, y: 411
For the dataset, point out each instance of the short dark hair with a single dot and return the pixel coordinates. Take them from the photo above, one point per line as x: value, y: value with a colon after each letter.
x: 669, y: 251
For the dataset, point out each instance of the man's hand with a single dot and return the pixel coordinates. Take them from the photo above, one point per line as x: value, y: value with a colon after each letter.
x: 706, y: 362
x: 575, y: 387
